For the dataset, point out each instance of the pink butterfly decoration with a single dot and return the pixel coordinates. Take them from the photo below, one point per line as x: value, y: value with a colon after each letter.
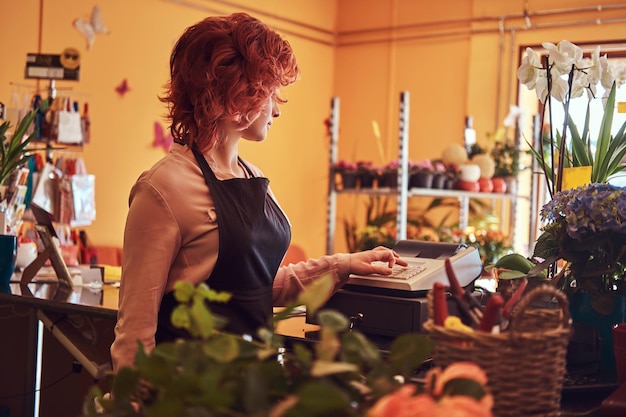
x: 122, y: 88
x: 160, y: 139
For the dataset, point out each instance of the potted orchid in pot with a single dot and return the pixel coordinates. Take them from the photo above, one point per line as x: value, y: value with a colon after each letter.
x: 584, y: 219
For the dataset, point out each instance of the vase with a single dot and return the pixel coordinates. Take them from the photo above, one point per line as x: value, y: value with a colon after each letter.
x: 592, y: 326
x: 8, y: 256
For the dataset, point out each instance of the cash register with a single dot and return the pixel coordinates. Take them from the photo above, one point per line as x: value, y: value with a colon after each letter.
x: 390, y: 305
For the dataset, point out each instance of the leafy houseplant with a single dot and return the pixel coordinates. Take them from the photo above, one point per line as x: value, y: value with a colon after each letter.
x: 565, y: 74
x: 13, y: 151
x: 344, y: 374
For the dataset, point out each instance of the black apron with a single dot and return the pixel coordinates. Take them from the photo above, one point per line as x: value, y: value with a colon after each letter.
x: 254, y: 235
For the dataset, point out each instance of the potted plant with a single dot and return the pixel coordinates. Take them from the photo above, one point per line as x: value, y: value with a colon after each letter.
x: 582, y: 223
x: 388, y: 175
x: 13, y: 149
x: 343, y: 374
x: 421, y: 174
x: 367, y: 173
x: 348, y: 174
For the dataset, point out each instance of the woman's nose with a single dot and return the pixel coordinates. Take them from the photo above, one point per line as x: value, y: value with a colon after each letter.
x: 275, y: 109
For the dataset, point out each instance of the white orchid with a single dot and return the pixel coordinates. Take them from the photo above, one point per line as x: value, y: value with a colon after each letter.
x: 529, y: 71
x: 568, y: 74
x: 563, y: 56
x: 564, y: 59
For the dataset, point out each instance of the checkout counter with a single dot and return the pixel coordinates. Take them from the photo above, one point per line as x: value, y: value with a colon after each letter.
x: 56, y: 344
x: 56, y: 347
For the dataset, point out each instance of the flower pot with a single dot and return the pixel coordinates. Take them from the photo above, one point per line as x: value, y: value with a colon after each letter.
x: 349, y: 180
x: 467, y: 185
x: 8, y: 255
x: 499, y: 185
x: 439, y: 181
x: 485, y: 185
x: 421, y: 179
x: 366, y: 179
x: 590, y: 326
x: 388, y: 179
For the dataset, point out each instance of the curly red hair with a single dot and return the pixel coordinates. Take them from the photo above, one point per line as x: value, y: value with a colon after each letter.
x: 224, y: 68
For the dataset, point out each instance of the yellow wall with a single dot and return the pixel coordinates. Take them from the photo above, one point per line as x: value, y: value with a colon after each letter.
x: 142, y: 34
x: 450, y: 56
x: 455, y: 57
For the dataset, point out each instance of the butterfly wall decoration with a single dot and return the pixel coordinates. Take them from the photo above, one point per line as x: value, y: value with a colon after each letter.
x: 161, y: 139
x: 122, y: 88
x: 92, y: 27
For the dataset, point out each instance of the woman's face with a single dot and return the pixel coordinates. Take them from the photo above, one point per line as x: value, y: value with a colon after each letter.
x: 257, y: 131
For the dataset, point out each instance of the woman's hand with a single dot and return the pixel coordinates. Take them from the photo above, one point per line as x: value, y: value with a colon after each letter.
x: 384, y: 259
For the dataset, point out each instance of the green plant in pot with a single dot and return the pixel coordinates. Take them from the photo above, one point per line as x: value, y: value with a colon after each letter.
x: 583, y: 221
x: 13, y: 151
x: 221, y: 374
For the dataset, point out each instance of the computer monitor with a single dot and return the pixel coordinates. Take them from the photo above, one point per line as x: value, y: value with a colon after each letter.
x: 46, y: 232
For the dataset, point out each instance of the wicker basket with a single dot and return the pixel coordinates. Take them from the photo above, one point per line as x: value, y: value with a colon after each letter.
x: 525, y: 364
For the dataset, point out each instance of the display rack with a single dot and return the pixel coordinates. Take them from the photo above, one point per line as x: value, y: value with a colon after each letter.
x: 402, y: 192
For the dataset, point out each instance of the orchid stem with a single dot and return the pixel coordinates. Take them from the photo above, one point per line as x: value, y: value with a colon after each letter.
x: 559, y: 178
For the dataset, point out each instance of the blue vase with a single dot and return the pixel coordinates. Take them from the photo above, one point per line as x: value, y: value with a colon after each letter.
x: 8, y: 256
x: 582, y: 311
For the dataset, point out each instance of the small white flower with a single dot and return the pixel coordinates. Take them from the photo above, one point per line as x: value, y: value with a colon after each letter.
x: 607, y: 77
x: 564, y: 55
x: 530, y: 69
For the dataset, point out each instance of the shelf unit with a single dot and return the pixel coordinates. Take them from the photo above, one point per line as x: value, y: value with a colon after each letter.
x: 402, y: 192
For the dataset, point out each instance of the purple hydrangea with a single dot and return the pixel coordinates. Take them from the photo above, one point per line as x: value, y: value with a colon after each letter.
x: 588, y: 210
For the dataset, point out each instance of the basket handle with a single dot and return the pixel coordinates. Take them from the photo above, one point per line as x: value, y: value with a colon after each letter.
x: 519, y: 310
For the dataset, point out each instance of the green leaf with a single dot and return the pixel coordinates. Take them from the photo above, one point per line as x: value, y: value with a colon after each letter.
x: 222, y: 348
x: 409, y: 351
x: 207, y: 293
x: 303, y: 354
x: 317, y: 293
x: 331, y: 319
x: 511, y: 275
x: 600, y: 165
x: 202, y: 320
x: 464, y: 386
x: 125, y: 384
x: 183, y: 291
x: 357, y: 348
x: 180, y: 317
x: 336, y: 401
x: 14, y: 153
x: 165, y: 407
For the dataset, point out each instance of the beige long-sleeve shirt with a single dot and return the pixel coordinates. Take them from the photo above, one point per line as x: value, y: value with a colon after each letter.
x: 171, y: 235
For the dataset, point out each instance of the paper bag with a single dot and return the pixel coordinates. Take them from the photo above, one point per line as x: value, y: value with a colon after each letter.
x: 69, y: 128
